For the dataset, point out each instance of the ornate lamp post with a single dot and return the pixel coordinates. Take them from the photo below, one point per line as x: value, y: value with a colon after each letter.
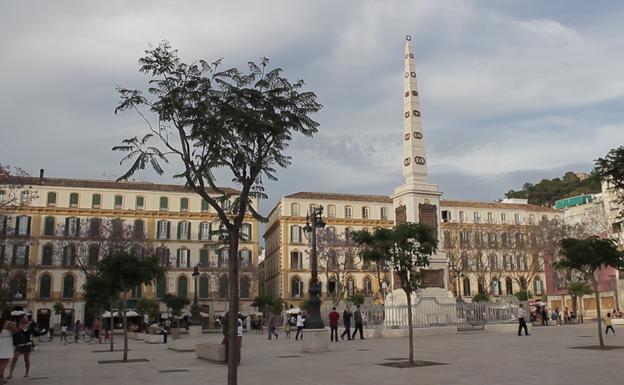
x: 195, y: 319
x: 314, y: 221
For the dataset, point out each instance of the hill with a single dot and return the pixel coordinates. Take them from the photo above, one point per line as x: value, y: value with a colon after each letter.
x: 546, y: 192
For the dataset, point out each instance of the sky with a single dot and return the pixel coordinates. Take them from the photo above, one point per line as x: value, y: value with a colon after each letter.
x: 511, y: 91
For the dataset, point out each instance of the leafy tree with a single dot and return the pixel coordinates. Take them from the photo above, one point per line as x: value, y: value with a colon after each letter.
x: 99, y: 294
x: 610, y: 169
x: 588, y: 257
x: 578, y: 290
x: 523, y: 295
x: 546, y: 192
x: 209, y: 119
x: 268, y: 304
x: 407, y: 248
x: 357, y: 299
x: 125, y: 270
x: 147, y: 306
x: 481, y: 297
x: 176, y: 305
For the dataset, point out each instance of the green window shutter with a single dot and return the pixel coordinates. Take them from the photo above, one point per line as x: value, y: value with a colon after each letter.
x: 96, y: 200
x: 203, y: 257
x: 118, y: 200
x: 49, y: 226
x: 73, y: 199
x: 204, y: 287
x: 51, y: 198
x: 179, y: 229
x: 204, y: 205
x: 140, y: 202
x: 164, y: 203
x: 168, y: 230
x: 28, y: 227
x: 184, y: 204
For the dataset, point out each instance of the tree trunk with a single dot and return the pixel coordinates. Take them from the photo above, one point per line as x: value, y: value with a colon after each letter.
x: 125, y: 326
x: 233, y: 347
x: 112, y: 324
x: 598, y: 316
x: 410, y: 331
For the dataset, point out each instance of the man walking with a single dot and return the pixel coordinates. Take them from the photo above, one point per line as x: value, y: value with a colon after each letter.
x: 357, y: 317
x: 522, y: 314
x: 333, y: 324
x: 346, y: 321
x: 300, y: 323
x: 272, y: 326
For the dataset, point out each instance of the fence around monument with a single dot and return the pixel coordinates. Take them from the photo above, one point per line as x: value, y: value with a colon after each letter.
x: 429, y: 312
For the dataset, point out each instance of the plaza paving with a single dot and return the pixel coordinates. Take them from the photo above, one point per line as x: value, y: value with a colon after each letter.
x: 544, y: 357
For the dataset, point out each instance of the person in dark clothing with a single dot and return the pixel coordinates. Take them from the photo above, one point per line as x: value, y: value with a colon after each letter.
x: 359, y: 324
x: 333, y: 324
x: 346, y: 321
x: 22, y: 341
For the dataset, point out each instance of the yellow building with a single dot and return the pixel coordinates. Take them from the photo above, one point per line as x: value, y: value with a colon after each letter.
x: 58, y: 223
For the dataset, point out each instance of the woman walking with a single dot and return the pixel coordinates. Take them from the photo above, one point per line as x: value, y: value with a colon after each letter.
x: 609, y: 324
x: 6, y: 346
x: 23, y: 346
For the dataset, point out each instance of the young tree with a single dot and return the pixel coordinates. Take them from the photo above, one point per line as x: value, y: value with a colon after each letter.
x: 124, y: 270
x: 407, y: 247
x: 210, y: 120
x: 149, y: 307
x: 175, y: 304
x: 588, y: 256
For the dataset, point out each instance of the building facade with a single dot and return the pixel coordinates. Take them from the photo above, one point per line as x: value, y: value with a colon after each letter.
x: 57, y: 227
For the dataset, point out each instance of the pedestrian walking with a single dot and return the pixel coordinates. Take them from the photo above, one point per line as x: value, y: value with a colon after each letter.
x: 300, y: 323
x: 96, y: 330
x: 6, y: 346
x: 566, y: 315
x: 555, y: 316
x: 106, y: 334
x: 22, y: 344
x: 287, y: 326
x: 272, y: 326
x: 522, y: 314
x: 609, y: 324
x: 359, y: 325
x: 544, y: 316
x: 334, y: 316
x: 346, y: 321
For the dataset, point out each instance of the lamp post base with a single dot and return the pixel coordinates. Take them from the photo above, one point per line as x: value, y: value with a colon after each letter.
x: 315, y: 340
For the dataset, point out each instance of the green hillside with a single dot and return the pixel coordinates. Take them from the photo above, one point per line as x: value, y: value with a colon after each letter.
x: 546, y: 192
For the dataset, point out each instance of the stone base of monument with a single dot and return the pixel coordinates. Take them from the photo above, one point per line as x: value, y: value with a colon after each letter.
x: 315, y: 340
x: 195, y: 331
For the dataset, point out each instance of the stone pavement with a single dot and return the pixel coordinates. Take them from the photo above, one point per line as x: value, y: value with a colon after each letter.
x: 544, y: 357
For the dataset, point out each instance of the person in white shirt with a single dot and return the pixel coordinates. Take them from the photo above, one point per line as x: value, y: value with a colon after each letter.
x: 522, y: 315
x: 300, y: 323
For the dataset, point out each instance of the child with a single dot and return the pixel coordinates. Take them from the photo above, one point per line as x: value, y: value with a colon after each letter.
x: 608, y: 323
x: 287, y: 328
x: 106, y: 334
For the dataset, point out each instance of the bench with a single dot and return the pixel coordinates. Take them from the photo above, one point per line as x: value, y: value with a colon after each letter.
x: 210, y: 351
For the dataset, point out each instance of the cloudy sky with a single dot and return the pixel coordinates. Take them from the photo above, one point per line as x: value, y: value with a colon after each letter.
x: 512, y: 91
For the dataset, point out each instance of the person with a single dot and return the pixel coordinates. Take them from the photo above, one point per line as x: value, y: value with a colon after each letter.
x: 359, y: 325
x: 300, y: 323
x: 609, y: 324
x: 287, y: 326
x: 6, y: 346
x: 522, y: 314
x: 272, y: 326
x: 106, y: 334
x: 544, y: 316
x: 334, y: 316
x: 346, y: 321
x: 566, y: 315
x: 23, y: 346
x: 96, y: 330
x: 77, y: 330
x: 555, y: 316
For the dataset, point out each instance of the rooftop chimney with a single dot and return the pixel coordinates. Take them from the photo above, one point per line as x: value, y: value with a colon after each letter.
x: 41, y: 172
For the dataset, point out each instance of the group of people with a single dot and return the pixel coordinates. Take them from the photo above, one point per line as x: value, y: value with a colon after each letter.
x: 15, y: 342
x: 555, y: 316
x: 347, y: 316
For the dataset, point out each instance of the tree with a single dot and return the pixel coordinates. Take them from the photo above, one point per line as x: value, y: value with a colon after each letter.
x: 338, y: 260
x: 407, y: 247
x: 210, y: 120
x: 100, y: 293
x: 588, y: 256
x: 149, y: 307
x: 125, y: 270
x: 610, y: 169
x: 578, y: 290
x: 547, y: 191
x: 175, y: 304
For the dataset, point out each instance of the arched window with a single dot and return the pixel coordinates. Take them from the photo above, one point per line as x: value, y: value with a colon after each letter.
x: 49, y: 224
x: 70, y: 254
x: 331, y: 287
x: 204, y: 231
x: 245, y: 258
x: 368, y: 286
x: 161, y: 287
x: 222, y: 258
x: 68, y: 286
x: 163, y: 253
x: 45, y: 286
x: 47, y: 255
x: 245, y: 284
x: 350, y: 286
x: 496, y: 286
x: 204, y: 257
x: 182, y: 287
x: 508, y: 286
x: 183, y: 258
x: 296, y: 286
x: 480, y: 286
x: 224, y: 287
x: 204, y: 287
x: 294, y: 209
x: 466, y: 287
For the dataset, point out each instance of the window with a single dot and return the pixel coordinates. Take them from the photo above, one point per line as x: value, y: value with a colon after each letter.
x: 331, y: 286
x: 496, y: 287
x: 383, y: 213
x: 96, y: 201
x: 117, y: 228
x: 519, y: 240
x: 70, y: 253
x: 22, y: 225
x: 365, y: 212
x: 225, y: 204
x: 72, y: 227
x: 331, y: 211
x: 48, y: 227
x: 45, y: 286
x: 184, y: 204
x: 182, y: 287
x: 223, y: 258
x: 507, y: 262
x: 224, y: 287
x: 479, y: 239
x: 204, y: 287
x: 537, y: 286
x: 508, y: 286
x: 136, y: 291
x: 245, y: 258
x: 492, y: 242
x: 2, y: 195
x: 505, y: 239
x: 490, y: 218
x: 245, y: 233
x: 503, y: 218
x: 368, y: 286
x: 517, y: 219
x: 204, y: 257
x: 138, y: 230
x: 294, y: 209
x: 162, y: 231
x: 161, y: 287
x: 348, y: 212
x: 118, y: 202
x: 295, y: 234
x: 95, y: 225
x: 25, y: 197
x: 73, y: 200
x: 446, y: 216
x: 350, y: 286
x: 464, y: 239
x: 164, y: 203
x: 476, y: 217
x: 245, y: 286
x: 47, y: 254
x: 183, y: 258
x: 462, y: 216
x: 68, y: 286
x: 296, y: 260
x: 297, y: 287
x: 163, y: 254
x: 204, y: 231
x: 139, y: 203
x: 51, y: 199
x: 184, y: 230
x: 205, y: 206
x: 466, y: 287
x: 447, y: 240
x: 531, y: 219
x: 20, y: 255
x: 93, y: 254
x: 493, y: 263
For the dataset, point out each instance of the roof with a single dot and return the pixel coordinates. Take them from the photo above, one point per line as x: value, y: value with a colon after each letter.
x: 341, y: 197
x: 100, y: 184
x: 495, y: 205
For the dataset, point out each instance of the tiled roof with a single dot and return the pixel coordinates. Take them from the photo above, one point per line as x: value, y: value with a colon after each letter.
x: 341, y: 197
x: 495, y: 205
x: 100, y: 184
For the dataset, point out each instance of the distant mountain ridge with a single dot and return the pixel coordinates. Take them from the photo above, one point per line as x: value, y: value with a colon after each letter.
x: 546, y: 192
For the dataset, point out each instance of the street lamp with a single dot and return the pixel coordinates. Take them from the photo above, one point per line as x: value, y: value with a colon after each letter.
x: 195, y: 319
x: 314, y: 220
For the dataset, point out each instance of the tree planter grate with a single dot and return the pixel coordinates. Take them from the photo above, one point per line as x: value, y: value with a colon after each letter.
x: 597, y: 347
x: 108, y: 351
x: 173, y: 370
x: 406, y: 364
x: 130, y: 361
x: 292, y: 356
